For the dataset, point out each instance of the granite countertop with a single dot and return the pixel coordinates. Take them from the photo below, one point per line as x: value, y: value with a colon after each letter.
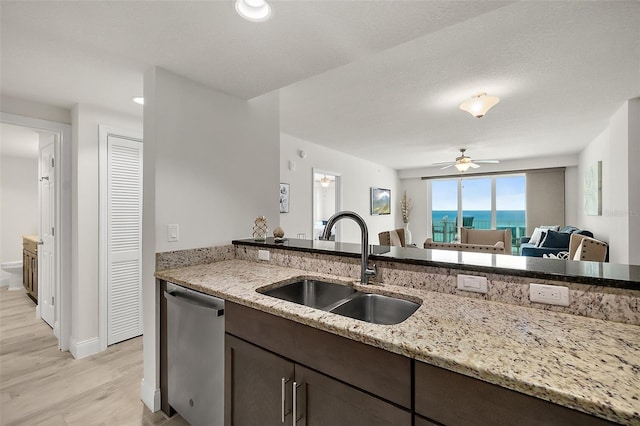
x: 582, y: 363
x: 32, y: 238
x: 598, y: 273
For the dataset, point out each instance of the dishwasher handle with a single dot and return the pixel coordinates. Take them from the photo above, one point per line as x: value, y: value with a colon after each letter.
x: 192, y: 302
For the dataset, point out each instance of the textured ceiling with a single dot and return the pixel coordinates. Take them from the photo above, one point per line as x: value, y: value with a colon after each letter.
x: 378, y: 79
x: 561, y: 69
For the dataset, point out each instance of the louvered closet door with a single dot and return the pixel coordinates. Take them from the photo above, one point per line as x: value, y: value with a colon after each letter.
x: 124, y: 236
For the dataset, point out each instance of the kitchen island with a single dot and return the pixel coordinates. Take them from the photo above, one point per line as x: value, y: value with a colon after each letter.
x: 585, y: 364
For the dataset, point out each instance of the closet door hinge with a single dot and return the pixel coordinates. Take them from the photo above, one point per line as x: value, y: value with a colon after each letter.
x: 53, y: 162
x: 53, y: 232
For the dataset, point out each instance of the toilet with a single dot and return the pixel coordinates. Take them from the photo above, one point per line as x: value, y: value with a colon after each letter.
x: 12, y: 275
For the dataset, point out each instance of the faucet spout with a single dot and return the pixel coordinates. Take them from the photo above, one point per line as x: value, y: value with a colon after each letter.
x: 365, y: 271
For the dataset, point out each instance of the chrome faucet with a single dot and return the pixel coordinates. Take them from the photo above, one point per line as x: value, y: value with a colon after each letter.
x: 365, y: 271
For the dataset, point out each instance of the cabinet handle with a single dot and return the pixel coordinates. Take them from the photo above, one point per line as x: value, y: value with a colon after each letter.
x: 295, y: 402
x: 283, y: 398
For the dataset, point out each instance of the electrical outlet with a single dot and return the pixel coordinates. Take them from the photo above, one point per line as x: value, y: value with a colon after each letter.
x: 472, y: 283
x: 549, y: 294
x: 173, y: 233
x: 263, y: 255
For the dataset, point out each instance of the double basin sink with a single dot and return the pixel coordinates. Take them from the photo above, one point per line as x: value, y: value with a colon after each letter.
x: 346, y: 301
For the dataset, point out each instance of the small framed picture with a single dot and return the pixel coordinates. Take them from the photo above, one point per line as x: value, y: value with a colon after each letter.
x: 380, y: 201
x: 284, y: 198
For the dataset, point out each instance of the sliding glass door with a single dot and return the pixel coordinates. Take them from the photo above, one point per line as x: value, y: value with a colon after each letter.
x: 511, y: 206
x: 488, y: 202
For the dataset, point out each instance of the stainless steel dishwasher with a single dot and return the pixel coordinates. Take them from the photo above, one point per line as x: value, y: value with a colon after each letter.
x: 195, y: 355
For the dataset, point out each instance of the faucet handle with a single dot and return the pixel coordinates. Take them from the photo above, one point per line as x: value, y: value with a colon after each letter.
x: 371, y: 272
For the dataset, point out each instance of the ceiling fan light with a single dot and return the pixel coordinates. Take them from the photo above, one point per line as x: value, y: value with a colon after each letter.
x: 325, y: 182
x: 462, y: 167
x: 479, y: 104
x: 253, y: 10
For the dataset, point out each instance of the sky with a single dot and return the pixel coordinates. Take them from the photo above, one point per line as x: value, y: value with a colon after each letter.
x: 476, y: 193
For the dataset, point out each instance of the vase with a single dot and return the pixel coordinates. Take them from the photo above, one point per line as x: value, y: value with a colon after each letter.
x: 407, y: 234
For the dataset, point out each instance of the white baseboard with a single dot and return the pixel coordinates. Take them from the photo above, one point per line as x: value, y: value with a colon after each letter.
x: 150, y: 396
x: 84, y: 348
x: 56, y: 329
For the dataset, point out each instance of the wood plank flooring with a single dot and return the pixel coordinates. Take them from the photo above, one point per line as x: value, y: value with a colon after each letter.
x: 40, y: 385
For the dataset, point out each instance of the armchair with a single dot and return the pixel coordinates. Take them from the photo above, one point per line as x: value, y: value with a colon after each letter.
x: 392, y: 238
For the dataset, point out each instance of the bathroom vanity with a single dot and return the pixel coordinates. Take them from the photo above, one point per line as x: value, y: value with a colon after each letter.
x: 30, y: 265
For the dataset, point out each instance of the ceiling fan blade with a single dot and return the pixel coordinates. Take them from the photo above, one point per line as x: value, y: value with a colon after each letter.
x: 443, y: 163
x: 447, y: 166
x: 473, y: 165
x: 487, y: 161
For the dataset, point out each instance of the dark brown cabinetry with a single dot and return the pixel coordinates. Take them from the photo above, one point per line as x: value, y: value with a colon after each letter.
x: 259, y: 386
x: 454, y: 399
x: 30, y: 267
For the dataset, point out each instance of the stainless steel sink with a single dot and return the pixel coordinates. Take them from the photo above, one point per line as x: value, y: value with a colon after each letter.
x: 377, y: 309
x: 346, y: 301
x: 316, y: 294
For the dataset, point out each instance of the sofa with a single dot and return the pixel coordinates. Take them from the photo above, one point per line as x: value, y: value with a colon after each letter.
x: 558, y: 244
x: 477, y: 240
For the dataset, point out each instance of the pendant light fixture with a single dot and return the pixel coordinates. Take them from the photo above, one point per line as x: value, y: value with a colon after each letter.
x: 325, y: 181
x: 253, y: 10
x: 479, y: 104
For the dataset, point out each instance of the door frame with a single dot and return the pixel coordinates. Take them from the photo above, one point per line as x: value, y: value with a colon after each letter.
x: 62, y: 170
x: 103, y: 133
x: 338, y: 185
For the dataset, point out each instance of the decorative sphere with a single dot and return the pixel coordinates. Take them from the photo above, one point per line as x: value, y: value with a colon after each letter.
x: 278, y: 232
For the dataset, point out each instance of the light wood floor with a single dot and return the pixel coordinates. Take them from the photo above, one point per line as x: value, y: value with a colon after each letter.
x: 39, y: 385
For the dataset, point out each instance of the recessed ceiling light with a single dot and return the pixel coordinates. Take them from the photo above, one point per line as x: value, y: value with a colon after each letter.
x: 139, y: 100
x: 253, y: 10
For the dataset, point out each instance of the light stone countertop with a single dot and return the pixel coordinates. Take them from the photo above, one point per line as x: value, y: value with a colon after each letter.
x: 582, y: 363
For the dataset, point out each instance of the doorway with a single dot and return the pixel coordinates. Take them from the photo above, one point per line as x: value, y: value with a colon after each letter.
x: 52, y: 180
x: 326, y: 201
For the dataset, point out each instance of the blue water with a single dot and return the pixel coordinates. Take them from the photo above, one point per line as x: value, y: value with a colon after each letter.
x: 482, y: 218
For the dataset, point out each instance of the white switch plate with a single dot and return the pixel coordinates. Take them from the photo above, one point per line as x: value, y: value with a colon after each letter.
x: 173, y: 233
x: 472, y: 283
x: 263, y: 254
x: 549, y: 294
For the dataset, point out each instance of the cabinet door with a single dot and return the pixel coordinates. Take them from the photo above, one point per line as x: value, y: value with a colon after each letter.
x: 321, y: 401
x: 253, y: 385
x: 454, y: 399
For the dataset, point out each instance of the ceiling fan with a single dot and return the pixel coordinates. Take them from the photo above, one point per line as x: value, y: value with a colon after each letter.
x: 464, y: 162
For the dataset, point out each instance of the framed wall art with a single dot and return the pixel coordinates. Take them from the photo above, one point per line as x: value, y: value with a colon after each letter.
x: 593, y: 189
x: 284, y: 198
x: 380, y: 201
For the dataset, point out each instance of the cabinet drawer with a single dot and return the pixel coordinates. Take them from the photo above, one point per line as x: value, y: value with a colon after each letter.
x: 374, y: 370
x: 454, y: 399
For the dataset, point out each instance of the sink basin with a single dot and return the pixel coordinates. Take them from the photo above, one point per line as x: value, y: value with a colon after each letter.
x: 316, y: 294
x: 377, y: 309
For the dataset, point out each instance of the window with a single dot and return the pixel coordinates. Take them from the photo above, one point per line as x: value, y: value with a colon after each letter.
x: 494, y: 202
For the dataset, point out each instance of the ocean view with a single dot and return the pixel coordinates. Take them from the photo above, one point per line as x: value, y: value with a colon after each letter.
x: 482, y: 218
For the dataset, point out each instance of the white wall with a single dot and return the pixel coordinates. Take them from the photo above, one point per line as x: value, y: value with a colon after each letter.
x: 33, y: 109
x: 420, y: 220
x: 18, y: 191
x: 212, y: 168
x: 84, y: 232
x: 18, y: 202
x: 357, y: 177
x: 617, y: 148
x: 571, y: 200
